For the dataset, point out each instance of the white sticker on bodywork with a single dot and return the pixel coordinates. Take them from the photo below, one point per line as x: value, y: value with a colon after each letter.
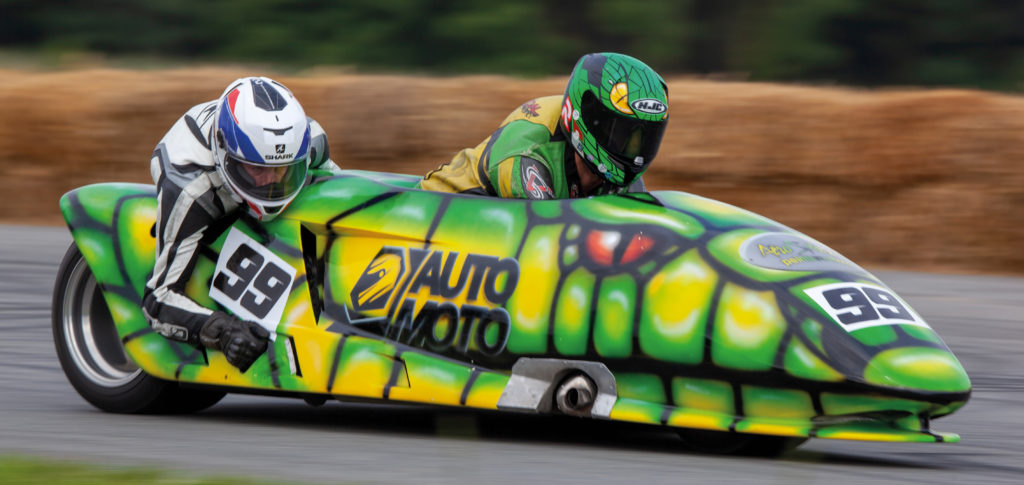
x: 251, y: 281
x: 859, y: 305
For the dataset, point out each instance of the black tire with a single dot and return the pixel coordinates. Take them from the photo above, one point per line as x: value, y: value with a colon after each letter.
x: 731, y: 443
x: 93, y: 358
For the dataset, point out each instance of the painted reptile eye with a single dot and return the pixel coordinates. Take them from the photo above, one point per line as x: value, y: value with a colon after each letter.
x: 610, y: 248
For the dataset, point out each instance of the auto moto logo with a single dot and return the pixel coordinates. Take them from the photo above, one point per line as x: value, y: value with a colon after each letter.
x: 439, y: 299
x: 378, y: 280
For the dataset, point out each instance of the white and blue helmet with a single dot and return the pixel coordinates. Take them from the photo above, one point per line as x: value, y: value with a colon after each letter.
x: 261, y: 144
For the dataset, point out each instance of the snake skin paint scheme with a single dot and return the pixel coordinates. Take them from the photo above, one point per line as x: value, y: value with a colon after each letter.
x: 707, y: 316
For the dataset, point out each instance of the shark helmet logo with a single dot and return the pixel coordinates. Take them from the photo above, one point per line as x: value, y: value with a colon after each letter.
x: 378, y: 280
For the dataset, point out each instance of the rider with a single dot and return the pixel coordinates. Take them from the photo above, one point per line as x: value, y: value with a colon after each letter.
x: 249, y: 149
x: 598, y: 138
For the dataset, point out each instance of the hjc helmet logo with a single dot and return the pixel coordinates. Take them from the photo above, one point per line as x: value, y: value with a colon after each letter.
x: 649, y: 106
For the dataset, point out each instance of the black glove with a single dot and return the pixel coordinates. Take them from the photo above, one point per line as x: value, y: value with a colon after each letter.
x: 242, y: 342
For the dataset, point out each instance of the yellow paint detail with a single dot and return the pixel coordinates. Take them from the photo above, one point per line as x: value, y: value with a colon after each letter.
x: 750, y: 317
x: 432, y: 380
x: 142, y: 220
x: 298, y: 311
x: 620, y: 98
x: 402, y: 379
x: 314, y: 349
x: 486, y: 398
x: 776, y: 403
x: 298, y: 314
x: 675, y: 306
x: 636, y: 411
x: 220, y: 372
x: 121, y: 310
x: 923, y: 369
x: 574, y: 304
x: 703, y: 395
x: 714, y: 207
x: 572, y: 312
x: 198, y: 285
x: 429, y: 385
x: 686, y: 418
x: 362, y: 372
x: 142, y: 351
x: 773, y: 428
x: 674, y: 318
x: 464, y: 219
x: 748, y: 329
x: 613, y: 327
x: 531, y: 302
x: 486, y: 390
x: 863, y: 436
x: 811, y: 367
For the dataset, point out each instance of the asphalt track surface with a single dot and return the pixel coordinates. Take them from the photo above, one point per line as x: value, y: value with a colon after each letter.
x: 284, y: 439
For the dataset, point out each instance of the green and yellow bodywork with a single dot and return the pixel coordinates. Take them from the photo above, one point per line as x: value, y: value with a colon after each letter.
x: 708, y: 316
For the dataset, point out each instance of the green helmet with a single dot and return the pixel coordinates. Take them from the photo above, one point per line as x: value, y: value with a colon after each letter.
x: 614, y: 112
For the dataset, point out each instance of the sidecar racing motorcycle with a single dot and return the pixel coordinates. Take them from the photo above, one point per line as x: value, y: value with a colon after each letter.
x: 662, y: 308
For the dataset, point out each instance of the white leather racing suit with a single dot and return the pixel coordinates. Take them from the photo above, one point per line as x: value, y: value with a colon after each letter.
x: 191, y: 197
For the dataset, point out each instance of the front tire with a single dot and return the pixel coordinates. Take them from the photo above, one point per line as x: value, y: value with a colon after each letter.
x: 93, y: 358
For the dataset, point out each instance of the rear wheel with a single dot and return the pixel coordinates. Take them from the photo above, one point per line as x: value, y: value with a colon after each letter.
x: 94, y: 359
x: 731, y: 443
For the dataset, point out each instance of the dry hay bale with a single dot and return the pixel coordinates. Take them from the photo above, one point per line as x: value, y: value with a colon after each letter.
x: 927, y: 179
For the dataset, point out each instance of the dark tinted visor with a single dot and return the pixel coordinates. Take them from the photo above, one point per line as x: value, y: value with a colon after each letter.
x: 266, y: 182
x: 624, y: 137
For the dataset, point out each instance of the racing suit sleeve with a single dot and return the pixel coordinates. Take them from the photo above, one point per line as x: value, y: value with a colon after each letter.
x: 188, y: 202
x: 523, y: 177
x: 463, y: 174
x: 183, y: 216
x: 508, y: 162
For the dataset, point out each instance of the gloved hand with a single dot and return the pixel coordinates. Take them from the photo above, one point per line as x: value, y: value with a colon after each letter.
x: 242, y: 342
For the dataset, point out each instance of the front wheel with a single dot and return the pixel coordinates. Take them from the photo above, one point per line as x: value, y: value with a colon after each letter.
x: 93, y: 357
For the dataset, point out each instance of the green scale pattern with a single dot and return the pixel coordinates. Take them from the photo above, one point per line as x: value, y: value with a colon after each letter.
x: 652, y: 285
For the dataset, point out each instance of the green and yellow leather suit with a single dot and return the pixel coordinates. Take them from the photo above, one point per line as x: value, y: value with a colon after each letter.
x: 527, y: 157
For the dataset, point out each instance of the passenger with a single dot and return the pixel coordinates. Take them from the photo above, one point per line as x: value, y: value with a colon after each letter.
x: 247, y: 151
x: 597, y: 138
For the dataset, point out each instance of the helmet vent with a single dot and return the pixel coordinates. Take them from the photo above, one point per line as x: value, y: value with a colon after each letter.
x: 279, y: 132
x: 266, y: 96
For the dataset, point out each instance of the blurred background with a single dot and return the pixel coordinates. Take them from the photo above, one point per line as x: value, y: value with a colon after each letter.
x: 892, y: 131
x: 969, y: 43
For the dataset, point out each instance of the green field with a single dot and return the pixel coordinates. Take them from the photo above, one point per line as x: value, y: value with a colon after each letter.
x: 23, y: 470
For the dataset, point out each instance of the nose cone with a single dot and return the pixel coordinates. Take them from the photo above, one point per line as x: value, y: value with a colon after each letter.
x: 925, y: 369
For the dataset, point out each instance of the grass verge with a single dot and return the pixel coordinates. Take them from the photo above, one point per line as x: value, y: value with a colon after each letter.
x: 23, y: 470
